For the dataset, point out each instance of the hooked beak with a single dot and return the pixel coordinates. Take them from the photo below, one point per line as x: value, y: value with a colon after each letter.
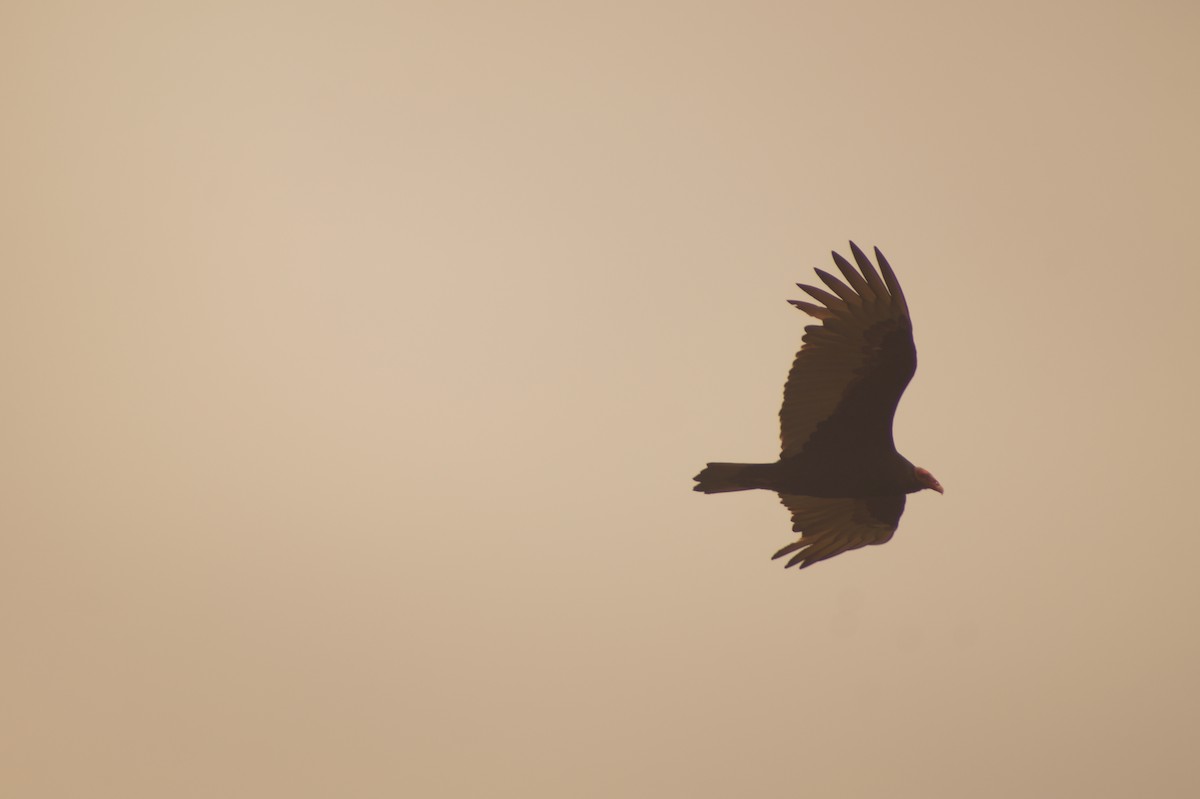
x: 929, y: 481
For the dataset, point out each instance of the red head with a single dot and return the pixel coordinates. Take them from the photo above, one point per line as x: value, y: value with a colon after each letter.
x: 927, y: 480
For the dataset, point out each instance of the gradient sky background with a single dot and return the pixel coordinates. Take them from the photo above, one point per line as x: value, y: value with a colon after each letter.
x: 358, y: 357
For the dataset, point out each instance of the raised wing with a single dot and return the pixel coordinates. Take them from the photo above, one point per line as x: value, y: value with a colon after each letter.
x: 852, y: 368
x: 833, y: 526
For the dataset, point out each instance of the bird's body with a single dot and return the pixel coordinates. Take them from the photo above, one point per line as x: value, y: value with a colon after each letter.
x: 839, y: 472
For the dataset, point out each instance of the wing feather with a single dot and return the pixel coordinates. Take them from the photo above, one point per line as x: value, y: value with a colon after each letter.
x: 852, y: 276
x: 825, y: 297
x: 830, y: 527
x: 838, y: 287
x: 878, y: 287
x: 813, y: 310
x: 850, y: 372
x: 893, y: 285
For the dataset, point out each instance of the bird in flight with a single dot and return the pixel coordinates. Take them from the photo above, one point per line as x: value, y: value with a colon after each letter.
x: 838, y: 471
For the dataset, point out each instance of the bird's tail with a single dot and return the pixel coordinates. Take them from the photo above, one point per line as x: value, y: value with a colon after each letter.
x: 720, y: 477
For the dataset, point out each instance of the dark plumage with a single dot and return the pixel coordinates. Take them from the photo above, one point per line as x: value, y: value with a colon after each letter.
x: 838, y: 472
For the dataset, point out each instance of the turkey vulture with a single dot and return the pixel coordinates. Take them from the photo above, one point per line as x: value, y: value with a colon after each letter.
x: 838, y: 472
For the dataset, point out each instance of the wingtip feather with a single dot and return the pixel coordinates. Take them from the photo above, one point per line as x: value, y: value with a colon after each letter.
x: 792, y: 547
x: 889, y: 277
x: 812, y: 310
x: 839, y: 288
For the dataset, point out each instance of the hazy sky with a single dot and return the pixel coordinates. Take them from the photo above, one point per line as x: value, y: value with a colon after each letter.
x: 358, y: 357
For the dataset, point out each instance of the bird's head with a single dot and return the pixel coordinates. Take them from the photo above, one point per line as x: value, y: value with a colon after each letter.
x: 927, y: 480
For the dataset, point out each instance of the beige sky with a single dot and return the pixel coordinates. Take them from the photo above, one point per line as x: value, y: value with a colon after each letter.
x: 358, y: 358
